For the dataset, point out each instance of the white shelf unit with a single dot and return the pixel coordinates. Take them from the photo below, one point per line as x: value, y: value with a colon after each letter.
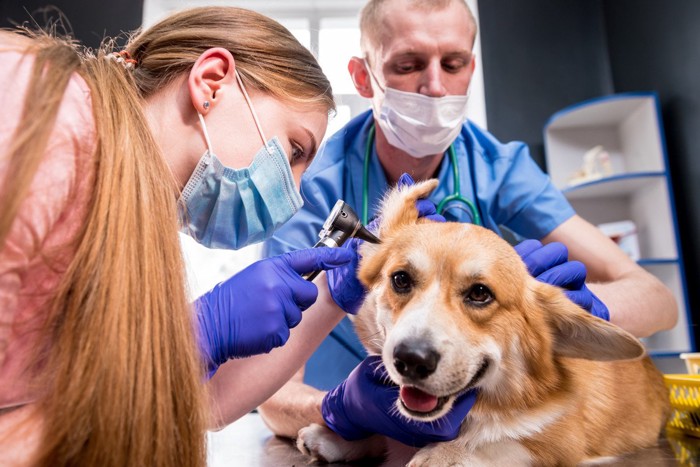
x: 629, y: 127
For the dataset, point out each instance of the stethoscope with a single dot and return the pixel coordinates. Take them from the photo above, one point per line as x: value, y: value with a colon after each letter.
x: 454, y: 200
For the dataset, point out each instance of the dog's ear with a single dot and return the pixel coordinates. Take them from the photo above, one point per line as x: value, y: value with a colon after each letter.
x: 373, y: 258
x: 399, y: 207
x: 398, y: 210
x: 578, y: 334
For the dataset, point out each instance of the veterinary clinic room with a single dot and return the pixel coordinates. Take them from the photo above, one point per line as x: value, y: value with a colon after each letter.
x: 276, y: 233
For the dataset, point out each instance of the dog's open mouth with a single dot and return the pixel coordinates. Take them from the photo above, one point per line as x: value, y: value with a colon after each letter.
x: 421, y: 404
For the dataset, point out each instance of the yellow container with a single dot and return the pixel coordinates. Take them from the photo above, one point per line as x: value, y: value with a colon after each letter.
x: 684, y: 393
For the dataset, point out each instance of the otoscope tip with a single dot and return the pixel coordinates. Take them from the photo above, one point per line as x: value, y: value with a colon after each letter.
x: 366, y: 235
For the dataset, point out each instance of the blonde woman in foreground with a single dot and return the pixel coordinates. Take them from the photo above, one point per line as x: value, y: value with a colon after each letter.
x: 205, y: 123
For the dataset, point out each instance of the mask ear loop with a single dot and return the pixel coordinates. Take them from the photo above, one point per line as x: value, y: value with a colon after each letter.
x: 206, y: 133
x: 252, y: 111
x: 372, y: 77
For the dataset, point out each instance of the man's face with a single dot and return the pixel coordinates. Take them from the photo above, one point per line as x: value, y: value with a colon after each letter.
x: 423, y: 51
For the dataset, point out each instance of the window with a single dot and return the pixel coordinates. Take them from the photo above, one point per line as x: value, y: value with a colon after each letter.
x: 339, y: 40
x: 299, y: 27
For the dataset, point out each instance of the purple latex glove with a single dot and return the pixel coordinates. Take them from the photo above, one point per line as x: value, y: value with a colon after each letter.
x: 426, y: 208
x: 252, y: 312
x: 345, y: 288
x: 550, y: 263
x: 365, y: 404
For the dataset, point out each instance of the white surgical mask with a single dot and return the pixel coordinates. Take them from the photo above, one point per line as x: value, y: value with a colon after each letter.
x: 418, y: 125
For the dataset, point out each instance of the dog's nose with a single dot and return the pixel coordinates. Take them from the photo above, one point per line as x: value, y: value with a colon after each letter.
x: 415, y: 360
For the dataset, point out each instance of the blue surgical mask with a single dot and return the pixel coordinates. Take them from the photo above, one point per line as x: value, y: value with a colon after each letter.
x: 221, y: 207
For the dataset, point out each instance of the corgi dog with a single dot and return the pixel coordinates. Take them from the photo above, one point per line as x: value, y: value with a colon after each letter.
x: 451, y: 307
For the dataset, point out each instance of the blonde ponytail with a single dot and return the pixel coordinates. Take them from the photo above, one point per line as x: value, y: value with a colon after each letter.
x: 122, y: 372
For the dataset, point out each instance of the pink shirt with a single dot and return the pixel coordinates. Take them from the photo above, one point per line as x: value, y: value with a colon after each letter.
x: 37, y: 250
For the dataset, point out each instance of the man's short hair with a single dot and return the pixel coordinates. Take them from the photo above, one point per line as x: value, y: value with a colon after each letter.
x: 371, y: 17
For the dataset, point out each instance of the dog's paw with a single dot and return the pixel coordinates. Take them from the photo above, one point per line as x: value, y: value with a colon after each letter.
x: 322, y: 444
x: 455, y: 454
x: 442, y: 455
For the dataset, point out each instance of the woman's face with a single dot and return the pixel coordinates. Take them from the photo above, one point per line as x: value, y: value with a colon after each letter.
x: 236, y: 140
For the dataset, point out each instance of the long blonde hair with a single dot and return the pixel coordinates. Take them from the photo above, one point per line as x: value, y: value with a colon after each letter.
x: 125, y: 381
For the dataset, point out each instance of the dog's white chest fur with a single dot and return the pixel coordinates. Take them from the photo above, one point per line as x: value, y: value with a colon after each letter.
x: 493, y: 428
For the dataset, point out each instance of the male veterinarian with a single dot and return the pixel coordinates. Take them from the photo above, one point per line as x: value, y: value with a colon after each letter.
x: 416, y: 69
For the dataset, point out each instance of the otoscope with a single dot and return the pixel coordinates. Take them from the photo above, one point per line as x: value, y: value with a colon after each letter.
x: 341, y: 224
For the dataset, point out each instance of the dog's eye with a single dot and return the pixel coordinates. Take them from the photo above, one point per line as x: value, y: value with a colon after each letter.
x: 478, y: 294
x: 401, y: 282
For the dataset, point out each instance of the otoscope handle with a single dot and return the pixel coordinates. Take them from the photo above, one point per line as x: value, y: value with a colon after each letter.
x: 334, y: 240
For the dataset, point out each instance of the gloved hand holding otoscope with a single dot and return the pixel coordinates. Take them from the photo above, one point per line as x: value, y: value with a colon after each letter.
x: 341, y: 224
x: 282, y: 296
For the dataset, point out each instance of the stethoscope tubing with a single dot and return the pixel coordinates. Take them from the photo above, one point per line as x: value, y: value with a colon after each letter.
x: 441, y: 207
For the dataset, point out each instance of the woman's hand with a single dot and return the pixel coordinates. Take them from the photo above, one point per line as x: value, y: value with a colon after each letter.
x: 253, y: 311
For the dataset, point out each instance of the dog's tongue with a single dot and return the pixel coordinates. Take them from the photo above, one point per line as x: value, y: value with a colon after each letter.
x: 417, y: 400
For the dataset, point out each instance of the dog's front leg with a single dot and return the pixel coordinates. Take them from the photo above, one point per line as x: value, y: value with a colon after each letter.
x: 457, y: 454
x: 324, y: 445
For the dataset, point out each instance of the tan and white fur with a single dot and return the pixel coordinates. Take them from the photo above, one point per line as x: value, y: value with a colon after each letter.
x: 556, y: 386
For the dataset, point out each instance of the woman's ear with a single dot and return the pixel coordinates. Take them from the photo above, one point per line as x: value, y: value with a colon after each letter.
x: 360, y: 77
x: 211, y: 75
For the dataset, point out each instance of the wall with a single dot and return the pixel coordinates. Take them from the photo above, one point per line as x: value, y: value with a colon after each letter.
x: 539, y: 56
x: 543, y: 55
x: 88, y: 21
x: 655, y: 45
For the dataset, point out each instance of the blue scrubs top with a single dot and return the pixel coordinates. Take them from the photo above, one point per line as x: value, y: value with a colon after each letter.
x: 502, y: 180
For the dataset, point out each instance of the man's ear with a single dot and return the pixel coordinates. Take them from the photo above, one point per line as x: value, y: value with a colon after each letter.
x: 360, y: 77
x: 211, y: 74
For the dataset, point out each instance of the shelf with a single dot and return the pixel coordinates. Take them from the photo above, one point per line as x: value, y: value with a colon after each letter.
x: 625, y: 126
x: 628, y: 128
x: 658, y: 261
x: 616, y: 185
x: 666, y: 353
x: 601, y: 111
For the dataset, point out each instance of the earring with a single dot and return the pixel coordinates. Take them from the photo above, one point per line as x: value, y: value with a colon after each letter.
x: 206, y: 105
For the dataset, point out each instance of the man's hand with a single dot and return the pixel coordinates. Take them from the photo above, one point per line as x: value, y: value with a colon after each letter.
x: 550, y: 264
x: 365, y: 404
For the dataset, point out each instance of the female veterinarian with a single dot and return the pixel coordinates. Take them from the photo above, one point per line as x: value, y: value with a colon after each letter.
x: 205, y: 123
